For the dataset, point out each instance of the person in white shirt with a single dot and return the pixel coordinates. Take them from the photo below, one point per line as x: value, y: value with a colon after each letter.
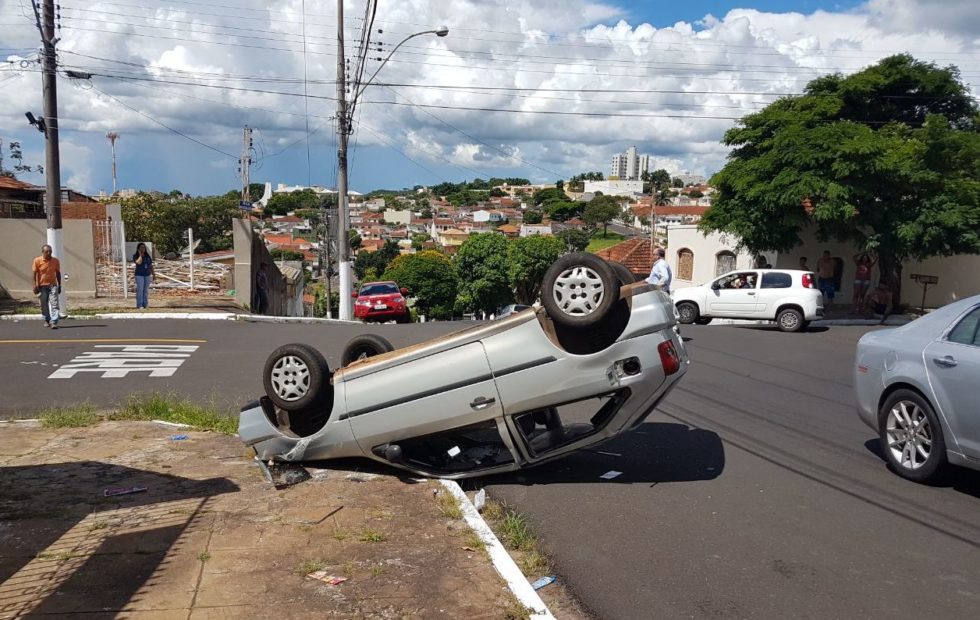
x: 660, y: 273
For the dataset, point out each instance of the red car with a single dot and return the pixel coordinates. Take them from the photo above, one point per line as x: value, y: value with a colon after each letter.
x: 381, y: 301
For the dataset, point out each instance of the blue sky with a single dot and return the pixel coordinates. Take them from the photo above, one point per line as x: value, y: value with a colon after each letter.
x: 542, y: 89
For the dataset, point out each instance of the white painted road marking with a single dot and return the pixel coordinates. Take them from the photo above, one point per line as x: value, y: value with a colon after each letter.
x: 159, y: 360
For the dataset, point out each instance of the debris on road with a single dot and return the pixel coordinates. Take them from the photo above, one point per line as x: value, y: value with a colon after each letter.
x: 542, y: 582
x: 178, y: 437
x: 609, y: 475
x: 480, y: 500
x: 322, y: 575
x: 283, y: 475
x: 122, y: 491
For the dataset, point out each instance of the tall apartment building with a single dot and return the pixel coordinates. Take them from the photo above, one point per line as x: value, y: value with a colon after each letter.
x: 629, y: 166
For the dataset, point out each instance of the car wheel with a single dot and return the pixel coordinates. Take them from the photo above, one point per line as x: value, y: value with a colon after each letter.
x: 579, y: 289
x: 790, y: 320
x: 687, y: 312
x: 623, y: 273
x: 702, y: 320
x: 363, y: 347
x: 912, y: 437
x: 296, y: 376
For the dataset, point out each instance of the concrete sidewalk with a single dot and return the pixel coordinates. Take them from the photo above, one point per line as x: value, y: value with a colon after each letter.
x: 209, y: 537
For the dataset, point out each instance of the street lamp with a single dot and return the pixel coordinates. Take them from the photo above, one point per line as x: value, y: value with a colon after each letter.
x: 343, y: 125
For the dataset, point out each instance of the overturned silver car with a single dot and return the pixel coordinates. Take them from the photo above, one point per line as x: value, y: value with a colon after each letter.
x: 592, y: 362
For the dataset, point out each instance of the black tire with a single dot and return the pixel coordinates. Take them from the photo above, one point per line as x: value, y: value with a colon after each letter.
x: 579, y: 289
x: 688, y: 312
x: 405, y: 318
x: 789, y: 320
x: 702, y: 320
x: 927, y: 436
x: 623, y: 273
x: 365, y: 346
x: 296, y: 377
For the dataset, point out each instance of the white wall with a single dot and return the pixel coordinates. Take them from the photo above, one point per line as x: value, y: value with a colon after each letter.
x: 615, y: 188
x: 705, y: 249
x: 393, y: 216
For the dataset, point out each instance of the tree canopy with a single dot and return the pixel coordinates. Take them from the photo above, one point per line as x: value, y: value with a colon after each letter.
x: 483, y: 260
x: 887, y: 158
x: 528, y: 258
x: 601, y: 210
x: 431, y: 280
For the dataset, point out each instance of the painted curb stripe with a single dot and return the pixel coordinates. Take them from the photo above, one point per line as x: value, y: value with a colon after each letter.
x: 85, y: 340
x: 502, y: 562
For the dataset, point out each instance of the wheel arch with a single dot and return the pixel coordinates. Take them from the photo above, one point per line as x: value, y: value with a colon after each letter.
x: 906, y: 385
x: 790, y: 305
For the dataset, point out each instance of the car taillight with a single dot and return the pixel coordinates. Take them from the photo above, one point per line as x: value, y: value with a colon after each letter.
x: 808, y: 281
x: 668, y: 357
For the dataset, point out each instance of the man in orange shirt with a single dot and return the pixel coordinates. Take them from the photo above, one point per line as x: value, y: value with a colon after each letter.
x: 47, y: 282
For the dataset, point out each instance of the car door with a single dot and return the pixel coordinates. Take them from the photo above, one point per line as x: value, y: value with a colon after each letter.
x: 953, y: 365
x: 773, y: 287
x: 431, y: 395
x: 733, y: 302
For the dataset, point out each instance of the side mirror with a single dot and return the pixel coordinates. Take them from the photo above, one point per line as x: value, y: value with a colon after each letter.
x: 715, y: 286
x: 403, y: 290
x: 353, y: 295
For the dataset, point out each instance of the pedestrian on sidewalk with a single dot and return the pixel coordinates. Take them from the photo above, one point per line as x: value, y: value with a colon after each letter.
x: 881, y: 301
x: 825, y: 277
x: 47, y: 284
x: 262, y: 289
x: 144, y: 275
x: 862, y: 279
x: 660, y: 273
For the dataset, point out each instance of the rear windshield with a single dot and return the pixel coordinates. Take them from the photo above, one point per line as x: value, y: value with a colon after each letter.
x: 777, y: 280
x: 379, y: 289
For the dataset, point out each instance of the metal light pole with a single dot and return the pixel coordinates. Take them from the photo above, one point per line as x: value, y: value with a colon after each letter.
x: 344, y: 267
x: 112, y: 136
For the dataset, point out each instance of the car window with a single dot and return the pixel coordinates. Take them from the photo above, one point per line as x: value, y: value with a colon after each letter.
x: 379, y: 289
x: 966, y: 331
x: 777, y: 280
x: 738, y: 280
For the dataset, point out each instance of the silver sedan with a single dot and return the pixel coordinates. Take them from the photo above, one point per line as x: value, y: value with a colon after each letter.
x: 917, y: 385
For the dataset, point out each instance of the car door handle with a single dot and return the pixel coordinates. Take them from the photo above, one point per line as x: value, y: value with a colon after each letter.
x: 945, y: 362
x: 482, y: 402
x: 751, y: 293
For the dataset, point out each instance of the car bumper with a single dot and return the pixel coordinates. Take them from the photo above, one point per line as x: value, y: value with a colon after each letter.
x: 364, y: 313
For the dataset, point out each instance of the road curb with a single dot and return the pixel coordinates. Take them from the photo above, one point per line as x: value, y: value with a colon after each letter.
x: 199, y: 316
x: 890, y: 322
x: 502, y: 562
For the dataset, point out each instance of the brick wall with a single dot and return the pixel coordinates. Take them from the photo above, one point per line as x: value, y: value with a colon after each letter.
x: 83, y: 211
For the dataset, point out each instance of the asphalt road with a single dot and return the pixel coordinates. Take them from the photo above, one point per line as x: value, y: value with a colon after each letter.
x: 754, y: 492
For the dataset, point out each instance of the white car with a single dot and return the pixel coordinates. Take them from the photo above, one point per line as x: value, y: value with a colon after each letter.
x: 787, y: 296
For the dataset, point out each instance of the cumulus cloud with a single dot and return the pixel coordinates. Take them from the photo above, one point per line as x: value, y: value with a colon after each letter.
x: 545, y: 89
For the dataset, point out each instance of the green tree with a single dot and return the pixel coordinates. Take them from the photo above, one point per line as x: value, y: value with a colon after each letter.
x: 549, y: 193
x: 284, y: 202
x: 369, y: 265
x: 354, y: 239
x: 483, y: 260
x: 17, y: 156
x: 284, y: 254
x: 601, y: 210
x: 431, y: 280
x: 527, y: 260
x: 563, y: 210
x: 418, y: 239
x: 886, y: 158
x: 676, y: 182
x: 575, y: 240
x: 533, y: 216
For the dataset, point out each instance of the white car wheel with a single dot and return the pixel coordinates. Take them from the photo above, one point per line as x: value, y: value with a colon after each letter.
x: 290, y: 378
x: 296, y: 376
x: 579, y: 290
x: 911, y: 436
x: 790, y: 320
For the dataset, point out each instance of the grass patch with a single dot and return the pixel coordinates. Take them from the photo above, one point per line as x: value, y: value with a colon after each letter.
x: 493, y: 511
x: 533, y: 562
x: 377, y: 570
x: 311, y: 566
x: 204, y: 556
x: 340, y: 534
x: 515, y: 610
x: 601, y: 242
x: 172, y: 408
x: 51, y: 555
x: 372, y: 536
x: 474, y: 542
x: 448, y: 505
x: 75, y: 416
x: 516, y: 533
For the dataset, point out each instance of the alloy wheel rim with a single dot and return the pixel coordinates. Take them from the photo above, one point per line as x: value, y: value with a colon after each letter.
x: 790, y: 320
x: 908, y: 435
x: 290, y: 378
x: 687, y: 312
x: 578, y: 291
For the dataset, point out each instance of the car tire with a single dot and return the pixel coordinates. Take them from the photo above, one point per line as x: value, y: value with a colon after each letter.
x: 363, y: 347
x: 405, y: 318
x: 687, y: 312
x: 702, y: 320
x: 789, y: 320
x: 623, y: 273
x: 579, y: 290
x: 912, y: 437
x: 296, y: 377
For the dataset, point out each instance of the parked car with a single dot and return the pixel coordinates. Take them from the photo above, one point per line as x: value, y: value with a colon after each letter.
x: 787, y: 296
x: 916, y: 385
x: 509, y: 310
x: 591, y: 362
x: 381, y: 301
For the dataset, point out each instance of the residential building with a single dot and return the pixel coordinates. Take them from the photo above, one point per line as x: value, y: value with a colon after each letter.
x: 691, y: 179
x: 629, y: 166
x: 627, y: 189
x: 393, y: 216
x: 530, y: 230
x: 489, y: 216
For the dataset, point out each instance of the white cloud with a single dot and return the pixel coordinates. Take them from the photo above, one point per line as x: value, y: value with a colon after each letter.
x: 671, y: 91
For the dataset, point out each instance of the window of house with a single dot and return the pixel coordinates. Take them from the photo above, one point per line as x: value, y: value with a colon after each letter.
x: 777, y: 280
x: 724, y: 262
x: 685, y: 264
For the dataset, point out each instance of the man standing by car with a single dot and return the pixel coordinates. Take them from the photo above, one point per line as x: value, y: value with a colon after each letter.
x: 660, y: 274
x: 47, y: 282
x: 825, y: 276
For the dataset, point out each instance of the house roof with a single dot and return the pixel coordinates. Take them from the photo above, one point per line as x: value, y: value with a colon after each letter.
x: 641, y: 211
x: 635, y: 253
x: 288, y: 219
x: 11, y: 183
x: 508, y: 228
x: 279, y: 239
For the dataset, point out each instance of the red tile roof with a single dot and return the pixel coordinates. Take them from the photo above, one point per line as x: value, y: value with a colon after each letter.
x: 9, y: 183
x: 635, y: 253
x: 288, y: 219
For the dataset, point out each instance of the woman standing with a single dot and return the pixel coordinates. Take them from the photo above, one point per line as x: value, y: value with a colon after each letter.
x: 144, y: 274
x: 862, y: 279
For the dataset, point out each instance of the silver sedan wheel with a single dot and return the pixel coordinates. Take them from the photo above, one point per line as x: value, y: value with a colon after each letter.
x: 578, y: 291
x: 290, y: 378
x: 908, y: 434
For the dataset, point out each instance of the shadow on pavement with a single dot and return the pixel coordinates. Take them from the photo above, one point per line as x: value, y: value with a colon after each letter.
x: 65, y: 548
x: 966, y: 481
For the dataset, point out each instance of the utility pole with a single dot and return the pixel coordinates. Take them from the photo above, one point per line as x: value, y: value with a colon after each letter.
x: 245, y: 164
x: 52, y: 158
x: 113, y: 136
x: 343, y: 212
